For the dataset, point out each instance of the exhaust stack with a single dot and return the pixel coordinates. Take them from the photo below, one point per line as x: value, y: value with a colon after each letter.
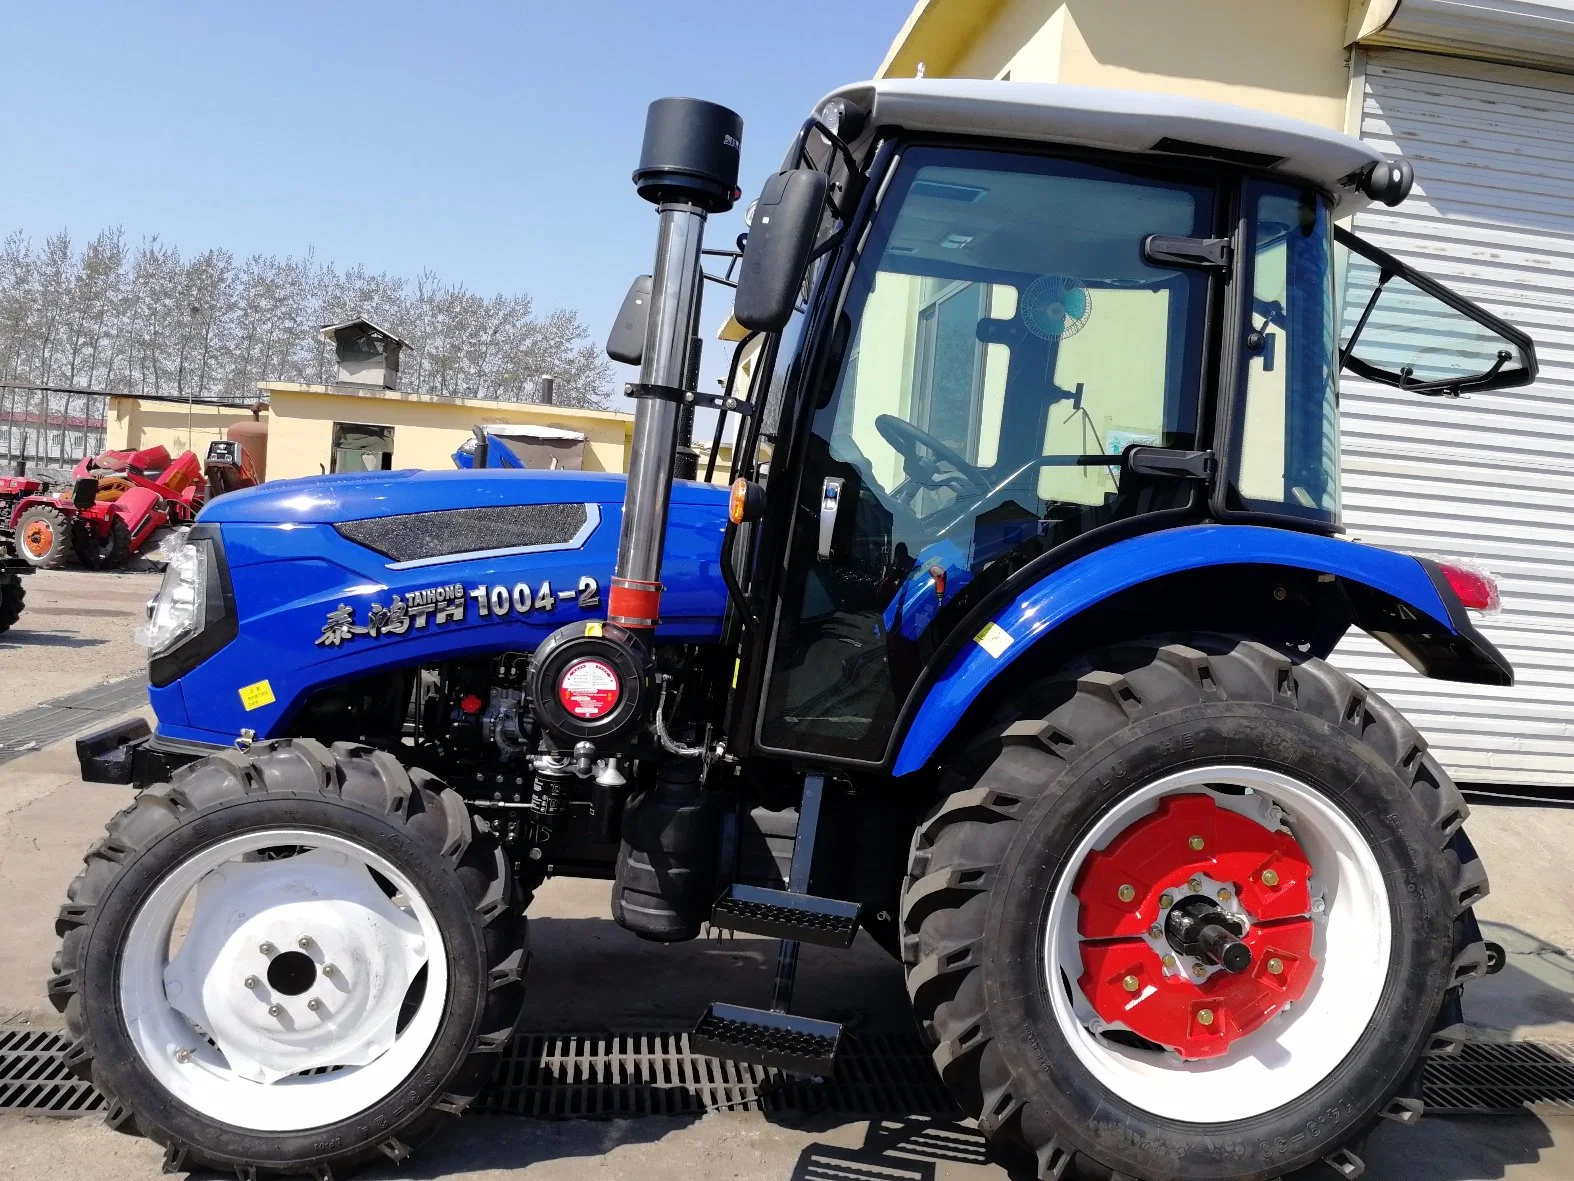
x: 688, y: 169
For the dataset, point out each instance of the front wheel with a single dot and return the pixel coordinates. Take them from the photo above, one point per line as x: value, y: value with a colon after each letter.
x: 290, y: 960
x: 1193, y: 909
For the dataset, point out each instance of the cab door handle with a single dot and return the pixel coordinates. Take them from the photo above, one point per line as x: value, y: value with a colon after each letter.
x: 830, y: 504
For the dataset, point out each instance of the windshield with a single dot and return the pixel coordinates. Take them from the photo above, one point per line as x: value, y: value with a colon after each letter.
x: 1005, y: 343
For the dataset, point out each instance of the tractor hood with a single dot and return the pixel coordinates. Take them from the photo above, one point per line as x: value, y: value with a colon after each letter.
x: 360, y: 496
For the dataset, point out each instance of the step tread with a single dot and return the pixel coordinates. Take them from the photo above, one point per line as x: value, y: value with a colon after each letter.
x: 802, y: 1045
x: 830, y: 922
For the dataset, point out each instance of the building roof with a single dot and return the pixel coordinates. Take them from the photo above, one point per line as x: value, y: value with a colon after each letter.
x: 329, y: 331
x: 1117, y: 120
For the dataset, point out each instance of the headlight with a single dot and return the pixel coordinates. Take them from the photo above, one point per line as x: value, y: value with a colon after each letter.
x: 179, y: 609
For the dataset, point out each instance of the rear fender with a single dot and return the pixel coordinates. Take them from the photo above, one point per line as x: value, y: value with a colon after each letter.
x: 1401, y: 600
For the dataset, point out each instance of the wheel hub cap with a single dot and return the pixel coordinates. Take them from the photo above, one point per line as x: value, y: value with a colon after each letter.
x: 295, y: 964
x: 39, y: 537
x: 1218, y: 864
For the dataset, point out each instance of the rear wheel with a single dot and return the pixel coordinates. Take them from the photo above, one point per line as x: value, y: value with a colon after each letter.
x: 107, y: 550
x: 43, y: 536
x: 13, y: 597
x: 290, y: 959
x: 1193, y: 909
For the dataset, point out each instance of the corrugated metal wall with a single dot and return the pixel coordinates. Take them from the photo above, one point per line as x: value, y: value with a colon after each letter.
x: 1491, y: 477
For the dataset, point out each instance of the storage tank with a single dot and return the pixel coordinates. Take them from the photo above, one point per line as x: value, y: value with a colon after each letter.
x: 253, y: 436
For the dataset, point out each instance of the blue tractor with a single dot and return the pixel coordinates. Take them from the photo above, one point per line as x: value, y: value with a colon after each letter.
x: 1014, y: 656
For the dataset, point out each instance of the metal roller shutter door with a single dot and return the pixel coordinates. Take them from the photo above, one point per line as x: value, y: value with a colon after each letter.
x: 1489, y: 478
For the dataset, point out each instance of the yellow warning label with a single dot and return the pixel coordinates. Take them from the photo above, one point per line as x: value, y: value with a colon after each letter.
x: 257, y: 695
x: 993, y: 639
x: 593, y: 627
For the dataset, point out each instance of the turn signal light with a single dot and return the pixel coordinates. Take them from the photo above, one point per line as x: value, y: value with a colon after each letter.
x: 747, y: 502
x: 1476, y: 588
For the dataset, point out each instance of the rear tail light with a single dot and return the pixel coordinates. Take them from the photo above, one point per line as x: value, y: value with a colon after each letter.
x: 1475, y: 587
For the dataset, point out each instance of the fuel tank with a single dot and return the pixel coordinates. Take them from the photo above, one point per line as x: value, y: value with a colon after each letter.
x: 330, y: 578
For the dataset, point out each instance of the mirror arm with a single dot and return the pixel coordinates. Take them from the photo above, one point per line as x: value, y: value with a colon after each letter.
x: 831, y: 242
x: 721, y: 415
x: 724, y: 280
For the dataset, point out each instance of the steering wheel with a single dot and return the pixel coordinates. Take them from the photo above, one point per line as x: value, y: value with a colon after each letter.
x: 909, y: 442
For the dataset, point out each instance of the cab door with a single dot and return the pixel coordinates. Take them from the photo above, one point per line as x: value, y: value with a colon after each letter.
x: 1008, y: 342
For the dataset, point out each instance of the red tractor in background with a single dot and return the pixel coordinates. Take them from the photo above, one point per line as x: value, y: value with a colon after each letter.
x: 118, y: 500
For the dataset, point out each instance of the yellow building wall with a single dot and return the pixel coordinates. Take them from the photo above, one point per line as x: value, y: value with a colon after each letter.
x: 1286, y: 56
x: 427, y: 431
x: 134, y: 424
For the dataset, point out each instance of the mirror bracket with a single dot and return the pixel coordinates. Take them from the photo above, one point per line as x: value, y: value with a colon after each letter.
x: 682, y: 397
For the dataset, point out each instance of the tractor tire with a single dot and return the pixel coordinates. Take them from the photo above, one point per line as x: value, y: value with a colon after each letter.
x: 102, y: 553
x: 1160, y: 776
x: 368, y: 887
x: 43, y: 537
x: 13, y: 596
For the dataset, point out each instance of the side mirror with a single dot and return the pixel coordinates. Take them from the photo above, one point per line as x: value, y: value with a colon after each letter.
x: 626, y: 341
x: 781, y: 238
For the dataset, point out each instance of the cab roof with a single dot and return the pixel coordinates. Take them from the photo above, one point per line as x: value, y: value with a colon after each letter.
x: 1119, y: 121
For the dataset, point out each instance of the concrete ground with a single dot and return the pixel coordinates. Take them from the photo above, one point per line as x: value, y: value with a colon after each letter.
x: 74, y: 633
x: 587, y: 974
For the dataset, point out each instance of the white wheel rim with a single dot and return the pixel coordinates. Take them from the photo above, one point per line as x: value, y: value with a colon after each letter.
x: 1296, y: 1049
x: 307, y: 1065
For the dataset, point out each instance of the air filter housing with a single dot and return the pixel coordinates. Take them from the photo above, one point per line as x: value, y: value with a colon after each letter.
x: 690, y: 154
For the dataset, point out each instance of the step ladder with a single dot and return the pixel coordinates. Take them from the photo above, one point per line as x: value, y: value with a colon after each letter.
x: 774, y: 1036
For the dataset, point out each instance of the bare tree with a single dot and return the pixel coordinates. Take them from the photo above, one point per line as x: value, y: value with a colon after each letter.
x: 150, y: 320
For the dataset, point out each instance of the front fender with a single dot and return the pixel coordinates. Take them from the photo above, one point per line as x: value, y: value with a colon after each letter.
x: 1390, y: 590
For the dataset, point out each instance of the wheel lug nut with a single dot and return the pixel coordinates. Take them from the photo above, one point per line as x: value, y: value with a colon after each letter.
x: 1198, y: 970
x: 267, y: 948
x: 183, y: 1056
x: 1276, y: 966
x: 1270, y: 878
x: 314, y: 1004
x: 1204, y: 1016
x: 1155, y: 932
x: 1130, y: 984
x: 1224, y: 895
x: 1126, y: 893
x: 1195, y: 886
x: 1195, y: 844
x: 304, y: 942
x: 328, y: 969
x: 1166, y: 901
x: 1168, y: 962
x: 251, y: 982
x: 275, y: 1009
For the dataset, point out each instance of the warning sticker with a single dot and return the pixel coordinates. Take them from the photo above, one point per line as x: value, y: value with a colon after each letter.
x: 588, y: 688
x: 257, y: 695
x: 994, y: 640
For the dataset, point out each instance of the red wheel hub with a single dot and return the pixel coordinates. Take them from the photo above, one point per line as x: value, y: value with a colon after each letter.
x: 39, y: 538
x: 1132, y: 977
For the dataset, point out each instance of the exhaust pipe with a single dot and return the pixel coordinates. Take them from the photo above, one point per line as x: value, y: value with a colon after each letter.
x: 688, y: 169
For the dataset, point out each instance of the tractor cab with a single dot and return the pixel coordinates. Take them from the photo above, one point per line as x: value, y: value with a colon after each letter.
x: 1039, y: 321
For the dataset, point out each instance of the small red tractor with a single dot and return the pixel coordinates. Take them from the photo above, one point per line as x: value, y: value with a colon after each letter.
x: 117, y: 501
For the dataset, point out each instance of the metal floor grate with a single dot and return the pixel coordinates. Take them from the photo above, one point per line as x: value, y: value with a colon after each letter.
x: 33, y: 1075
x: 35, y: 728
x: 600, y: 1076
x: 593, y: 1076
x: 1489, y: 1078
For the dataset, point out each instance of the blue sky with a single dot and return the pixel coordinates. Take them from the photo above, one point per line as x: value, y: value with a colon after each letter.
x: 489, y: 141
